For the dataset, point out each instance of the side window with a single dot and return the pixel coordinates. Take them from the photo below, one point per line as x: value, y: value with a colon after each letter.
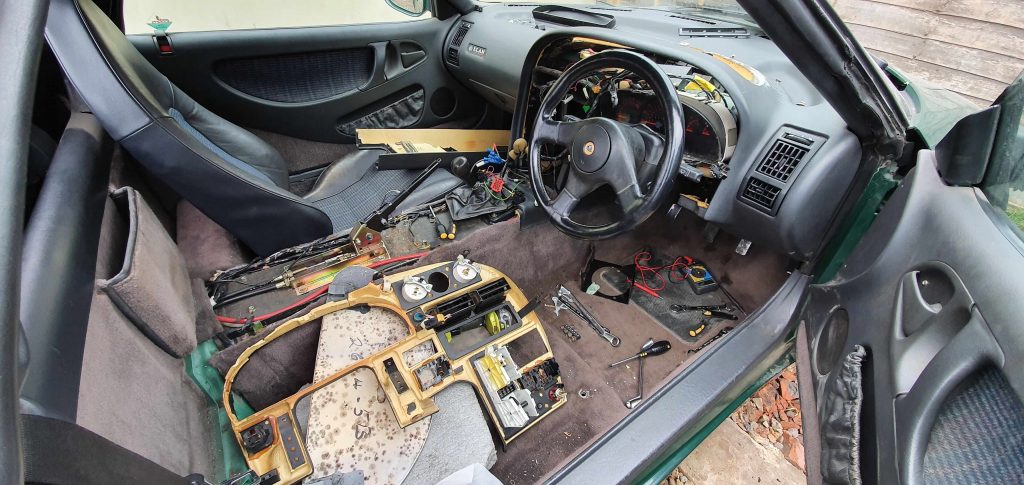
x: 1004, y: 179
x: 145, y: 16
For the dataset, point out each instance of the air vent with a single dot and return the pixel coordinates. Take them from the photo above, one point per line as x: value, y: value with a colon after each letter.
x: 761, y: 193
x: 452, y: 54
x: 491, y: 292
x: 482, y: 298
x: 728, y: 32
x: 457, y: 308
x: 782, y: 159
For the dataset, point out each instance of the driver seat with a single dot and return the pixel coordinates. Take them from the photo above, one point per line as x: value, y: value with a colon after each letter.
x: 229, y: 174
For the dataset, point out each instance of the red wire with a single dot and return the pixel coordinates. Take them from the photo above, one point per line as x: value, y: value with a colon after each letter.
x: 644, y: 271
x: 318, y: 293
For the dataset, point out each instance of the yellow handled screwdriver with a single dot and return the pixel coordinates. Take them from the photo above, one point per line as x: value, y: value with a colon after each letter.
x: 659, y: 347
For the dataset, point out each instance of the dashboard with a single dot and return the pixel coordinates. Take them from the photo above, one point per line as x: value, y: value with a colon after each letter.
x: 709, y: 112
x: 765, y: 157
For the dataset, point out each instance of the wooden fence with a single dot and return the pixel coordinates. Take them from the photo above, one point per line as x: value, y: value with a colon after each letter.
x: 972, y: 47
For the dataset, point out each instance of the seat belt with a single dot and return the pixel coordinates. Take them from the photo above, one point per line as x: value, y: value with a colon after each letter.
x: 59, y: 452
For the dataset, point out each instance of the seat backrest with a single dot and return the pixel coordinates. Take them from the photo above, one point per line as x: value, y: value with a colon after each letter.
x: 90, y: 360
x: 231, y: 175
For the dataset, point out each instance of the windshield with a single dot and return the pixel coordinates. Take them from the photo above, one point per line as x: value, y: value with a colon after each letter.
x: 714, y: 7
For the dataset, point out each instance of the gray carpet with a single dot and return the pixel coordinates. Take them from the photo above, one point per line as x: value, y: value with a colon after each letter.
x: 133, y: 393
x: 205, y: 245
x: 540, y: 258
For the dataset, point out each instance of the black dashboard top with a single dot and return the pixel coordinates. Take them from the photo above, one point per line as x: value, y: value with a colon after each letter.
x: 793, y: 158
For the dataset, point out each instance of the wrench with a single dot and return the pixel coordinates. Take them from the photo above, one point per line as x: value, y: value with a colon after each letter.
x: 569, y: 302
x: 634, y: 402
x: 558, y: 306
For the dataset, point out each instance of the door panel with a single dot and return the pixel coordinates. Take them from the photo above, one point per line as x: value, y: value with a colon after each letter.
x: 319, y: 83
x: 933, y: 295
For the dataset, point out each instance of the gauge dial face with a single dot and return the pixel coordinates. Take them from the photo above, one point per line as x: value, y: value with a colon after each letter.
x: 415, y: 289
x: 701, y: 143
x: 464, y: 271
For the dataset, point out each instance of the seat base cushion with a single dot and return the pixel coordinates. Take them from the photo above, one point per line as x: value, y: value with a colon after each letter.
x: 352, y: 187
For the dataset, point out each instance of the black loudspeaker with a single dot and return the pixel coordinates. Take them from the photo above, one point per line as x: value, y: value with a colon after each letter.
x: 442, y: 102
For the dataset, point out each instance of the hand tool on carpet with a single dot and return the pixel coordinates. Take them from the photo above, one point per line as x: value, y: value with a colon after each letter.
x: 566, y: 301
x: 649, y: 348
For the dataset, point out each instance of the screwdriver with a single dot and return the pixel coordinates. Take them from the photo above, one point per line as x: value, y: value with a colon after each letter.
x: 659, y: 347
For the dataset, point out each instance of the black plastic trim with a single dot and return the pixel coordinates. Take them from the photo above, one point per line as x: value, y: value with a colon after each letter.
x: 59, y: 265
x: 21, y: 28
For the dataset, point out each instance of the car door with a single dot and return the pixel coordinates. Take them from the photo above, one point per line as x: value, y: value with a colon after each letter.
x: 914, y: 350
x: 312, y: 69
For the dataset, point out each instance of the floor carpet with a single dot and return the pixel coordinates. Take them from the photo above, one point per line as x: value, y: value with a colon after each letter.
x: 540, y: 258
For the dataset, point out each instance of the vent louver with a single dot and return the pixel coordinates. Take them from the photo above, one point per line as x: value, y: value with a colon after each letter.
x: 452, y: 54
x: 482, y: 298
x: 491, y: 292
x: 781, y: 160
x: 761, y: 193
x: 457, y: 308
x: 728, y: 32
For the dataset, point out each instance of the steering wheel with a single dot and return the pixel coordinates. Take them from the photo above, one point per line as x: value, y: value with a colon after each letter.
x: 603, y: 151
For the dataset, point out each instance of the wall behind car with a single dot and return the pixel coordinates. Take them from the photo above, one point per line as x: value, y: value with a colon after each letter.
x: 972, y: 47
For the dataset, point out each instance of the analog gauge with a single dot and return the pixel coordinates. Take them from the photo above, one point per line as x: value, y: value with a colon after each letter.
x: 710, y: 130
x: 464, y: 270
x: 415, y: 288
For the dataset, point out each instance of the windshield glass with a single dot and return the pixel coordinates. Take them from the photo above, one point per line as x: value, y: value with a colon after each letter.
x: 712, y: 7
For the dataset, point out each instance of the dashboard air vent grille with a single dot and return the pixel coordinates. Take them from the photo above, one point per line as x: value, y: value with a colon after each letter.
x: 482, y: 298
x: 457, y: 307
x: 728, y: 32
x: 452, y: 53
x: 781, y: 160
x: 492, y: 291
x: 761, y: 193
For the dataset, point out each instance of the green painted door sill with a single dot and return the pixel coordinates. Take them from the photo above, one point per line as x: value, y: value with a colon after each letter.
x: 229, y: 454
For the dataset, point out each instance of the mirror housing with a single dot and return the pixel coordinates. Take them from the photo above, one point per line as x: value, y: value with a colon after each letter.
x: 412, y: 8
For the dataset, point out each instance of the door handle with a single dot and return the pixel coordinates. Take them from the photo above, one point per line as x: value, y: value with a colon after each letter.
x: 379, y: 73
x: 391, y: 58
x: 403, y: 55
x: 410, y: 59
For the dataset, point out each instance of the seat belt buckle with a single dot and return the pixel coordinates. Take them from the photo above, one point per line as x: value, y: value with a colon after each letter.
x: 163, y: 43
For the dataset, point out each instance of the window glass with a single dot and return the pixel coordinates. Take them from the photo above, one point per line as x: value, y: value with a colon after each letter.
x: 145, y: 16
x: 1004, y: 179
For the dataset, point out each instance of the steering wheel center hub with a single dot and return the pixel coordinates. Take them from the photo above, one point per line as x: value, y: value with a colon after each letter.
x: 591, y: 147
